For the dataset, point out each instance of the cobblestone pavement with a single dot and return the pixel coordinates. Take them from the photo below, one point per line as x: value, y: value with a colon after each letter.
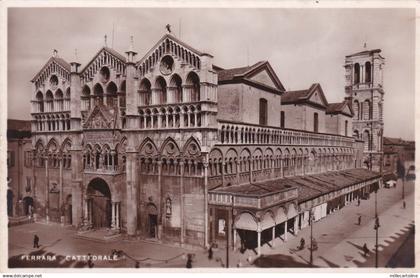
x: 339, y: 239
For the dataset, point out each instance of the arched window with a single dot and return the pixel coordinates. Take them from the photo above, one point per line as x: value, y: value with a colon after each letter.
x: 85, y: 98
x: 193, y: 87
x: 176, y: 87
x: 105, y: 74
x: 168, y: 205
x: 367, y: 141
x: 99, y: 93
x: 356, y: 110
x: 316, y: 124
x: 282, y: 119
x: 49, y: 101
x: 356, y: 73
x: 160, y: 86
x: 111, y: 94
x: 367, y: 113
x: 145, y: 92
x: 263, y: 111
x: 59, y: 98
x: 40, y: 101
x: 346, y: 126
x: 368, y: 72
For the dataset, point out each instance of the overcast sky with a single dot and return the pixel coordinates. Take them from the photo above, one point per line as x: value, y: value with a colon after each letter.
x: 303, y: 46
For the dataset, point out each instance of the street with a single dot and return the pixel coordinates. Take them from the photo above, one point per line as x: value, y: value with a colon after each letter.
x: 340, y: 240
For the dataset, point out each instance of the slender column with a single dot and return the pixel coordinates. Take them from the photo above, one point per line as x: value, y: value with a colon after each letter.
x: 259, y: 239
x: 60, y: 197
x: 113, y: 215
x: 285, y: 230
x: 161, y: 199
x: 195, y: 118
x: 237, y: 165
x: 117, y: 215
x: 47, y: 190
x: 206, y: 212
x: 223, y: 173
x: 273, y: 236
x: 250, y: 160
x: 281, y: 168
x: 234, y: 239
x: 181, y: 164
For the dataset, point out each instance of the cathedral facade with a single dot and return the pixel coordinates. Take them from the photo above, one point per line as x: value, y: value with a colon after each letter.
x: 173, y: 148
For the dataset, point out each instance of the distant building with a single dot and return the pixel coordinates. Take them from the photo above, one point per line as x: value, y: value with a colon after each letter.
x: 19, y: 167
x: 397, y: 149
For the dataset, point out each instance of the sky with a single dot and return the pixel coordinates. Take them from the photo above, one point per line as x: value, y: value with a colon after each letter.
x: 304, y: 46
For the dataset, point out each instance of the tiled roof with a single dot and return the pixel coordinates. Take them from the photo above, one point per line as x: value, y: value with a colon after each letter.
x: 229, y: 74
x: 338, y: 107
x: 309, y: 186
x: 393, y: 141
x: 291, y: 97
x: 62, y: 62
x: 57, y: 60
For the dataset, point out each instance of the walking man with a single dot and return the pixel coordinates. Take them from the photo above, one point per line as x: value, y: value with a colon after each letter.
x: 189, y: 261
x: 36, y: 241
x: 359, y: 220
x: 365, y: 250
x: 404, y: 204
x: 211, y: 252
x: 358, y: 202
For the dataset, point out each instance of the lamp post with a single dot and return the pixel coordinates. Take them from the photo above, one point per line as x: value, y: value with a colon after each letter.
x: 376, y: 227
x: 311, y: 216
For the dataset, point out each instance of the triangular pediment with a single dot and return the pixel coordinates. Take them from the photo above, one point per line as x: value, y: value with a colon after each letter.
x: 317, y: 96
x: 54, y: 66
x: 104, y: 57
x: 347, y: 110
x: 101, y: 117
x: 264, y: 74
x: 170, y: 45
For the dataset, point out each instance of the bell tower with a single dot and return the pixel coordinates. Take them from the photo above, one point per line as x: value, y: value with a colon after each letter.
x: 364, y: 88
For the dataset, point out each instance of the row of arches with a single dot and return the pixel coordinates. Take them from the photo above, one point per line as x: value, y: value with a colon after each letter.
x: 168, y: 47
x: 236, y: 168
x: 51, y: 122
x: 52, y: 102
x: 171, y: 117
x: 170, y: 159
x: 176, y: 91
x: 106, y: 95
x: 241, y: 134
x: 104, y: 158
x: 53, y: 154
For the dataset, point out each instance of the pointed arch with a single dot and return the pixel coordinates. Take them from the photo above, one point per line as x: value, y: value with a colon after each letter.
x: 193, y: 85
x: 52, y: 145
x: 170, y: 148
x: 192, y: 147
x: 148, y: 148
x: 176, y: 87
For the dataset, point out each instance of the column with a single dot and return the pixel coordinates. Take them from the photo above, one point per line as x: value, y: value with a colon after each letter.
x: 281, y: 168
x: 259, y: 239
x: 285, y: 231
x: 234, y: 239
x: 161, y: 206
x: 206, y: 202
x: 273, y: 236
x: 60, y: 197
x: 113, y: 224
x: 47, y: 195
x: 131, y: 184
x: 117, y: 215
x: 181, y: 164
x: 223, y: 173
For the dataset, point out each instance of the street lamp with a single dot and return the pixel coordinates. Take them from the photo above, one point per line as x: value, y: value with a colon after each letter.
x: 376, y: 227
x: 311, y: 219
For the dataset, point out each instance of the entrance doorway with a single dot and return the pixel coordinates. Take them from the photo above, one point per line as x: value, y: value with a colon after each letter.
x: 152, y: 221
x: 28, y: 204
x: 99, y: 203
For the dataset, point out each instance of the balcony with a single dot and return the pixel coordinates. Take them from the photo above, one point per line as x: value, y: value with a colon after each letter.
x: 231, y: 133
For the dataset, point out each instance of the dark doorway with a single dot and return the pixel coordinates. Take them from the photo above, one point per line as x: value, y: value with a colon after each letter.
x: 152, y: 225
x: 99, y: 198
x: 249, y: 239
x: 28, y: 204
x: 291, y: 225
x: 69, y: 210
x: 9, y: 202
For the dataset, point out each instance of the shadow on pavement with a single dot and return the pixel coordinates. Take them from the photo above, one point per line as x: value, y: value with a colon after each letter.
x: 278, y: 260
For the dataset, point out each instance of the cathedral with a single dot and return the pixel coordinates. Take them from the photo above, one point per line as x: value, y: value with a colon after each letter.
x: 170, y: 147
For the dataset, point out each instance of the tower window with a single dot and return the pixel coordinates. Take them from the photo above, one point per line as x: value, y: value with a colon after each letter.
x: 368, y: 72
x: 346, y: 124
x: 356, y: 73
x: 263, y: 111
x: 315, y: 122
x: 282, y: 119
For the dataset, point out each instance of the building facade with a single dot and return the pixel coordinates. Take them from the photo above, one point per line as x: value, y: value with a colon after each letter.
x: 173, y: 148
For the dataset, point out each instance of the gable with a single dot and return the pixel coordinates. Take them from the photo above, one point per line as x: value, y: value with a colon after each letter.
x: 264, y: 77
x: 99, y: 119
x: 169, y: 45
x: 316, y: 98
x: 105, y: 57
x: 54, y: 66
x: 346, y: 110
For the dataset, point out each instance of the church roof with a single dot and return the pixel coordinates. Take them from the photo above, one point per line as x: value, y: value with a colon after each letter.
x: 58, y: 60
x: 106, y: 49
x: 339, y: 108
x: 303, y: 96
x: 246, y: 74
x: 364, y: 52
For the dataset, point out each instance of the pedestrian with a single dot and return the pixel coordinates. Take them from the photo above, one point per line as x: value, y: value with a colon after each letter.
x: 211, y: 252
x: 189, y: 261
x: 403, y: 204
x: 137, y: 265
x: 302, y: 244
x: 358, y: 202
x: 359, y: 220
x: 36, y: 241
x: 365, y: 250
x: 90, y: 262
